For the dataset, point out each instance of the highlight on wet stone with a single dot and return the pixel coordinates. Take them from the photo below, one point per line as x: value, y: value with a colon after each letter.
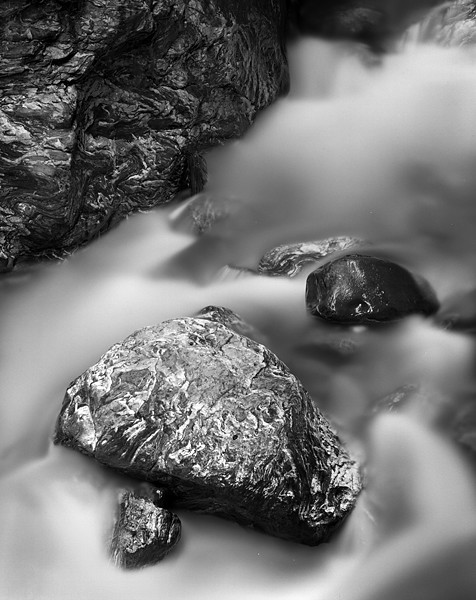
x: 220, y: 422
x: 290, y: 259
x: 364, y: 289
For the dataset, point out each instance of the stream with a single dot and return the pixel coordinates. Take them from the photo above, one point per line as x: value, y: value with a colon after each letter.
x: 380, y: 150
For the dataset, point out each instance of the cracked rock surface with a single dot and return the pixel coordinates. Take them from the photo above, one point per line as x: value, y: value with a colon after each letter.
x: 106, y: 106
x: 220, y: 422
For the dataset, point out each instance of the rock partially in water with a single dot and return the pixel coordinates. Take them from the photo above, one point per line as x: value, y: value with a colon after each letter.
x: 289, y: 259
x: 144, y: 532
x: 219, y: 421
x: 449, y: 24
x: 363, y: 289
x: 459, y: 312
x: 232, y: 320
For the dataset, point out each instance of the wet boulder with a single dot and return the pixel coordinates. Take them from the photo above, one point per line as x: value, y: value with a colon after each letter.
x: 289, y: 259
x: 106, y: 107
x: 144, y: 532
x: 220, y: 422
x: 363, y: 289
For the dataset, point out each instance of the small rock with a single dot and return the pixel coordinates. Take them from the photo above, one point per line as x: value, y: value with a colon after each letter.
x: 144, y: 532
x: 289, y: 259
x: 363, y: 289
x: 220, y: 422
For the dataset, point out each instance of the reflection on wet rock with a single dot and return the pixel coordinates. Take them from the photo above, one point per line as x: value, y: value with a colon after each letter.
x: 364, y: 289
x: 218, y: 420
x: 289, y: 259
x: 144, y: 532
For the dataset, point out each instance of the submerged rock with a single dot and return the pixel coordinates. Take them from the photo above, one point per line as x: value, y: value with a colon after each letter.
x: 363, y: 289
x: 289, y: 259
x: 459, y: 312
x: 144, y: 532
x: 219, y: 421
x: 201, y: 212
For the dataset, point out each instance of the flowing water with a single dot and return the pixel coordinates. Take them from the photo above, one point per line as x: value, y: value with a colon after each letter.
x: 385, y: 152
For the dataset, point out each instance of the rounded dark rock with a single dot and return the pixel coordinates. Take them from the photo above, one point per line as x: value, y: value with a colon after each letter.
x: 363, y: 289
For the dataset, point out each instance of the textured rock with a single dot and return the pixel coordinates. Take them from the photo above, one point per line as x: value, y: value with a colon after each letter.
x: 218, y: 420
x: 106, y: 105
x: 144, y: 532
x: 232, y: 320
x: 289, y: 259
x: 363, y: 289
x: 450, y: 24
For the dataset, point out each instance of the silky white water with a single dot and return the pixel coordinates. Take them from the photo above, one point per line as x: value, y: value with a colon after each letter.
x: 382, y: 152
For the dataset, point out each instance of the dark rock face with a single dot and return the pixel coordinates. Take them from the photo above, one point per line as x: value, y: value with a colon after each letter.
x: 364, y: 289
x: 105, y: 106
x: 289, y: 259
x: 219, y: 421
x: 144, y: 532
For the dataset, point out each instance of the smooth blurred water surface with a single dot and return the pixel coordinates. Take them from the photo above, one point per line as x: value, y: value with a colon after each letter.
x: 384, y: 152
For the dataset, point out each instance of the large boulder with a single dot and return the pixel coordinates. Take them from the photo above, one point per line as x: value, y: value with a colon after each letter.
x: 106, y: 105
x: 220, y: 422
